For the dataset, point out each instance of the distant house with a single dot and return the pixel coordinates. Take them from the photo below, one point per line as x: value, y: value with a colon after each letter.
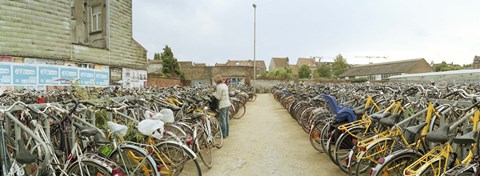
x: 476, y: 62
x: 260, y: 64
x: 310, y: 62
x: 278, y: 62
x: 381, y: 71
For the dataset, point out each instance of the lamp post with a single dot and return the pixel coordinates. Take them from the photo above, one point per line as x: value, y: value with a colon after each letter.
x: 254, y: 41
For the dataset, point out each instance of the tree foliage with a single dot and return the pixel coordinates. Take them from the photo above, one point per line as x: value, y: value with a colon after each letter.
x: 339, y: 65
x: 323, y: 71
x: 156, y: 56
x: 445, y: 67
x: 170, y: 64
x: 278, y: 73
x: 304, y: 72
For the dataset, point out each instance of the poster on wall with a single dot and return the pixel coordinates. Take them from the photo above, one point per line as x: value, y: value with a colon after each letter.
x: 87, y: 77
x: 115, y: 75
x: 24, y: 74
x: 5, y: 74
x: 48, y: 75
x: 68, y: 74
x: 132, y: 78
x: 102, y: 78
x: 5, y: 59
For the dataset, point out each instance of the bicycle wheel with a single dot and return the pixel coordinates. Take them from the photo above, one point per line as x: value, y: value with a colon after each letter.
x: 315, y: 136
x: 325, y: 134
x: 346, y: 142
x: 252, y: 97
x: 217, y: 133
x: 183, y: 161
x: 374, y: 153
x: 204, y: 149
x: 240, y: 112
x: 134, y: 161
x: 396, y: 165
x: 88, y: 167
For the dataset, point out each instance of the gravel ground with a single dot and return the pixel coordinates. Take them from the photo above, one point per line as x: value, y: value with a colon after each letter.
x: 267, y: 141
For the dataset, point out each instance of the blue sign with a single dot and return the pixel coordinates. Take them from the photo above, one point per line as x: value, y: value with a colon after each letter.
x: 67, y: 73
x: 48, y: 75
x: 102, y: 78
x: 87, y: 77
x: 5, y: 74
x: 24, y: 74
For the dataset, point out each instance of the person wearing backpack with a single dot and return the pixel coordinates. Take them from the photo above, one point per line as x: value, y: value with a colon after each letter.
x: 222, y: 96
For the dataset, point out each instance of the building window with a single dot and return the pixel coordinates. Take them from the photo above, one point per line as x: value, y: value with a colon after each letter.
x: 96, y: 18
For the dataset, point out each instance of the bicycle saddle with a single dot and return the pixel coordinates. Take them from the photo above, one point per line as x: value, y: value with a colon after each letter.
x: 378, y: 116
x: 22, y: 156
x: 468, y: 138
x: 85, y: 131
x: 417, y: 128
x: 389, y: 121
x: 439, y: 136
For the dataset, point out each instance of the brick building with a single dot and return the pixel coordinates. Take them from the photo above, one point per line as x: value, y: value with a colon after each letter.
x: 94, y: 34
x: 260, y: 64
x: 476, y: 62
x: 278, y: 62
x: 200, y: 73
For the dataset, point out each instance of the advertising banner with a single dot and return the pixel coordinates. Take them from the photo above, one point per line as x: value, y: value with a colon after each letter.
x: 102, y: 78
x: 24, y: 74
x: 68, y: 73
x: 48, y: 75
x: 87, y: 77
x: 5, y: 74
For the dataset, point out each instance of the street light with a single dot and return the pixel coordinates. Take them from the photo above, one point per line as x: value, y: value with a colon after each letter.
x: 254, y: 41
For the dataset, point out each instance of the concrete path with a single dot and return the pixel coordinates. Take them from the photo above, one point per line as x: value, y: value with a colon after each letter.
x: 267, y: 141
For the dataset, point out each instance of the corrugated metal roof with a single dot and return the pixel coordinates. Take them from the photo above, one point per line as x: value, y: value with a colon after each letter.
x: 401, y: 66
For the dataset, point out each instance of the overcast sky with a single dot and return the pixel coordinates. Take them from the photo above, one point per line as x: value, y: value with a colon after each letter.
x: 213, y: 31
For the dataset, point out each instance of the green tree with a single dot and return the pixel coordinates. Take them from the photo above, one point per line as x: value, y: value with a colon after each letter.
x: 323, y: 71
x: 156, y: 56
x: 445, y: 67
x: 339, y: 65
x: 280, y: 73
x: 304, y: 72
x: 170, y: 64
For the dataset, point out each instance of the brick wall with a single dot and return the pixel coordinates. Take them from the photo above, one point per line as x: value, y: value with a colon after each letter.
x: 162, y: 82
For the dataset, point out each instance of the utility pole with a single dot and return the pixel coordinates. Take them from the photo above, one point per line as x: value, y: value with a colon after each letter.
x: 254, y: 41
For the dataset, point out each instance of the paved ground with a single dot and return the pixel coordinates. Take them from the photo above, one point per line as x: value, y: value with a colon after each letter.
x: 267, y: 141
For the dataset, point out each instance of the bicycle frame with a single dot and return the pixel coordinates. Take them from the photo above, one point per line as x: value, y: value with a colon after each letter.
x: 439, y: 154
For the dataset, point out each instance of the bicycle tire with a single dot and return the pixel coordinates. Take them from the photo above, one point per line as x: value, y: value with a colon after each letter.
x: 217, y: 133
x: 315, y: 136
x: 369, y: 164
x: 182, y: 158
x: 252, y: 98
x: 150, y: 167
x: 409, y: 158
x: 345, y: 141
x: 240, y: 112
x: 204, y: 150
x: 74, y: 168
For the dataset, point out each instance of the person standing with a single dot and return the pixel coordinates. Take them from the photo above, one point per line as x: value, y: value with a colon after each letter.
x: 223, y: 98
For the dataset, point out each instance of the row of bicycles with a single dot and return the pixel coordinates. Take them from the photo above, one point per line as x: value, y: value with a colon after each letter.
x: 152, y: 132
x: 389, y: 128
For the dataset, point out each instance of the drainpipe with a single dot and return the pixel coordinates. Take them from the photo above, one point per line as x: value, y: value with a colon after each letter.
x: 108, y: 29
